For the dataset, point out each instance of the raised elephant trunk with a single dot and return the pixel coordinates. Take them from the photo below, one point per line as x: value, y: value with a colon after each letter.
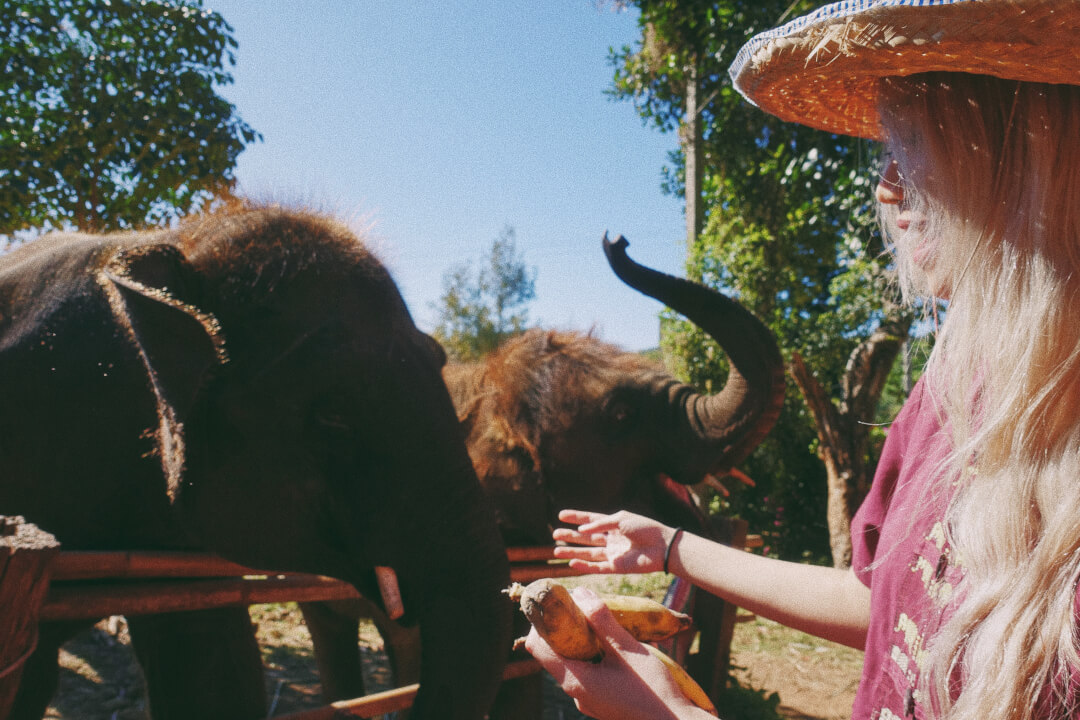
x: 733, y: 421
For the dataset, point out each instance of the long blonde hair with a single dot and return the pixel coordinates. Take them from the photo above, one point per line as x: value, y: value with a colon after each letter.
x: 994, y: 168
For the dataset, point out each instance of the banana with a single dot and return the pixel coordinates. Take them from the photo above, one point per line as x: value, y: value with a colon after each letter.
x: 686, y: 683
x: 559, y: 620
x: 645, y: 619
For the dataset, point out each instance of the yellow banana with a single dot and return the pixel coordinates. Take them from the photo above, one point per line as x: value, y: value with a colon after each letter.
x: 559, y: 620
x: 645, y: 619
x: 686, y: 683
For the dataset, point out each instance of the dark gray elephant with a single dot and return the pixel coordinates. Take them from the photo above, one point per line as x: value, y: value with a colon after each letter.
x: 250, y: 383
x: 559, y: 420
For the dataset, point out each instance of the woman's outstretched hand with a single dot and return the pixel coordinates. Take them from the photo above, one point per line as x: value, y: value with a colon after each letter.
x: 627, y: 684
x: 619, y: 543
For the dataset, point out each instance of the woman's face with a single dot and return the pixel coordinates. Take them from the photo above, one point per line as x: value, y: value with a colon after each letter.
x: 890, y: 192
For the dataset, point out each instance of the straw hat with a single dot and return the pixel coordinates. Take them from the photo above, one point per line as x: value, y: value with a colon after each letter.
x: 822, y: 69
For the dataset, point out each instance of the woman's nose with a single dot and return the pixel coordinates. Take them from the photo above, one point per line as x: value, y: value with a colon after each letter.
x: 889, y: 191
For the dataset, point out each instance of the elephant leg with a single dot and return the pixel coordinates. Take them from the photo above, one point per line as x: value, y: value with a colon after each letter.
x: 41, y: 671
x: 200, y: 664
x: 402, y: 649
x: 333, y: 628
x: 402, y: 644
x: 520, y: 699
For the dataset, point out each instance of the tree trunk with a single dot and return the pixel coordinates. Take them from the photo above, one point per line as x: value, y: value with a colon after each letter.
x: 843, y: 427
x: 26, y: 555
x: 690, y: 135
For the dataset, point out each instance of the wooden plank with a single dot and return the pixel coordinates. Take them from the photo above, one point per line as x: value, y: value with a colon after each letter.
x: 715, y: 619
x: 85, y: 601
x: 530, y: 554
x: 525, y: 574
x: 86, y: 565
x: 392, y: 700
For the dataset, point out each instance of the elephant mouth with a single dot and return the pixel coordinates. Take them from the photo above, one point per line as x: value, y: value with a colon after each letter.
x: 676, y: 491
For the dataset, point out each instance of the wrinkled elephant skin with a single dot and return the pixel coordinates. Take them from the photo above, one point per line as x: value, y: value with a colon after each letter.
x: 249, y: 383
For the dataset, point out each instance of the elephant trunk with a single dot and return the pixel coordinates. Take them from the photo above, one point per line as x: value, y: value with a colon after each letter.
x: 727, y: 425
x: 465, y: 621
x: 437, y: 529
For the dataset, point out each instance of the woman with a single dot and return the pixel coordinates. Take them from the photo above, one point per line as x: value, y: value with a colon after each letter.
x: 963, y: 591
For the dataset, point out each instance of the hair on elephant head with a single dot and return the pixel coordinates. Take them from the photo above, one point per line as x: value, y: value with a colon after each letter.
x: 250, y: 383
x: 560, y: 419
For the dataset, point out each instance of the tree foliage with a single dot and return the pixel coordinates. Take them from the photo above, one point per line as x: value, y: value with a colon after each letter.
x: 480, y: 309
x: 111, y: 113
x: 789, y: 231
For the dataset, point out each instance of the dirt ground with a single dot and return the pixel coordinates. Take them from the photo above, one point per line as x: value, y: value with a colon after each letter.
x: 814, y: 679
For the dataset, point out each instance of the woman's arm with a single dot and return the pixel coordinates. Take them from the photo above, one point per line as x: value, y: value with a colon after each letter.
x: 823, y: 601
x: 826, y: 602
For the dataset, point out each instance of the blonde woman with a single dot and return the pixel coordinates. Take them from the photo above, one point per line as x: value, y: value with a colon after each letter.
x: 963, y: 591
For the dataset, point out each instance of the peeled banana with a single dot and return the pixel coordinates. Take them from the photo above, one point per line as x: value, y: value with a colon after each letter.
x: 559, y: 620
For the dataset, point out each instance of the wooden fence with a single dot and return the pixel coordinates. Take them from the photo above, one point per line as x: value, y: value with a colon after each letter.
x: 26, y: 557
x: 187, y: 581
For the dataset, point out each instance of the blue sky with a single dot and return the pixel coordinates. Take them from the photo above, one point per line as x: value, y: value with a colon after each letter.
x: 433, y: 126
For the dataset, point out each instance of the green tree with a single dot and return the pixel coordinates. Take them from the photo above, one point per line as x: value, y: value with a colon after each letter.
x: 479, y: 310
x: 111, y: 114
x: 787, y: 228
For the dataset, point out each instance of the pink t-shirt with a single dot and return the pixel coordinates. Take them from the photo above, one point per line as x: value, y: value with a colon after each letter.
x: 899, y: 552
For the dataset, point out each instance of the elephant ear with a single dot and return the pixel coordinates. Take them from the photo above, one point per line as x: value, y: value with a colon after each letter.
x: 151, y: 290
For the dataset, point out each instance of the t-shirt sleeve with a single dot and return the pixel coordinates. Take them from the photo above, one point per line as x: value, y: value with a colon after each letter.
x: 866, y: 525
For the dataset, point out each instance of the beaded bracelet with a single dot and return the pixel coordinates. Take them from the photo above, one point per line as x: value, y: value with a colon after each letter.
x: 667, y: 553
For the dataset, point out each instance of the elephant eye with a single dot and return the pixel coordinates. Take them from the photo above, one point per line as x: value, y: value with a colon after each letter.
x: 620, y: 414
x: 332, y: 421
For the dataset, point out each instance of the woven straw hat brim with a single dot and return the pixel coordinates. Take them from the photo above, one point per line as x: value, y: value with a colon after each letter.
x: 823, y: 69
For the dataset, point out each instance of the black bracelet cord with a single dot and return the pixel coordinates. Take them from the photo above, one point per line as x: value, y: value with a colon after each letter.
x: 667, y: 553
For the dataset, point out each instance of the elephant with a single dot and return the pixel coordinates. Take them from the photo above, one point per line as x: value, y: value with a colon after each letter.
x: 559, y: 420
x: 250, y: 383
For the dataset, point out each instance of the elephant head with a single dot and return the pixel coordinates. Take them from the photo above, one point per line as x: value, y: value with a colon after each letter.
x: 556, y: 420
x: 251, y: 383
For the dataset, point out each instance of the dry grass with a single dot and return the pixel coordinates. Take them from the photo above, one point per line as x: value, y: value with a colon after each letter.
x: 815, y: 679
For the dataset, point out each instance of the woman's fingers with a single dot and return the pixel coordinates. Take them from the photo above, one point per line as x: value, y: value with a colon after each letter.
x: 603, y: 622
x: 579, y: 517
x: 551, y: 661
x: 591, y: 522
x: 580, y: 538
x: 600, y: 524
x: 569, y: 552
x: 586, y: 558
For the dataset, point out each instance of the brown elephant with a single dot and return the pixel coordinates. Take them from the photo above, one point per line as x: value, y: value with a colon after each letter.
x: 252, y: 384
x: 556, y: 420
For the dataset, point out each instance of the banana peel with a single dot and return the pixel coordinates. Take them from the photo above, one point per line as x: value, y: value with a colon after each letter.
x: 557, y: 618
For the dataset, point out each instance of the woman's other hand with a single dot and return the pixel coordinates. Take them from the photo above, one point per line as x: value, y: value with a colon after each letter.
x: 619, y: 543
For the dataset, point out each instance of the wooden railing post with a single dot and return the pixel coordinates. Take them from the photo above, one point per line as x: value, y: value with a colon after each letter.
x: 26, y: 554
x: 711, y: 665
